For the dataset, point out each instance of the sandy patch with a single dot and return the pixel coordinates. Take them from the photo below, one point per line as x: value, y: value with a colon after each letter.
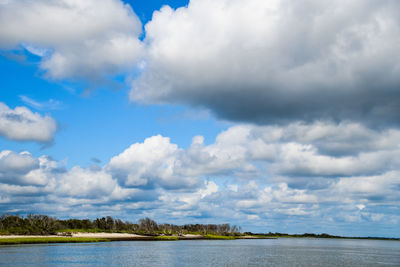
x: 192, y: 236
x: 106, y: 235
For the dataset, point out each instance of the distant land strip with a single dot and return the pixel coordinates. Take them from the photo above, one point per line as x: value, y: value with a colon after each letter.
x: 34, y: 229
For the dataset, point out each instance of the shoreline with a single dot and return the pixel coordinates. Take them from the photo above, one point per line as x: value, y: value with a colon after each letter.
x: 81, y: 237
x: 109, y: 237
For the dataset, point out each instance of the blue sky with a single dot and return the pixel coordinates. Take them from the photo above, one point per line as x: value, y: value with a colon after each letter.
x: 272, y: 115
x: 93, y: 119
x: 88, y: 120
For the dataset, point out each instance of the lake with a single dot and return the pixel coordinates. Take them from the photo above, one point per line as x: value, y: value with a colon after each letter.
x: 279, y: 252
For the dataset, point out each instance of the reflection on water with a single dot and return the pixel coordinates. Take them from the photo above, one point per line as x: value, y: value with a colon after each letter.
x: 280, y: 252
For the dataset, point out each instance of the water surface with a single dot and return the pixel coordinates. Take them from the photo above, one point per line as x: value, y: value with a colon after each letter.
x: 280, y: 252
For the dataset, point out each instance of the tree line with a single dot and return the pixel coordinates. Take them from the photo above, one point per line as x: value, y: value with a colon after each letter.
x: 44, y: 225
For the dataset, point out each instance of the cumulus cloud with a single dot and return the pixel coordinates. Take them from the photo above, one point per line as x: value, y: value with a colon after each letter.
x: 27, y: 182
x: 276, y: 61
x: 22, y: 170
x: 380, y: 188
x: 275, y: 173
x: 315, y: 76
x: 291, y: 175
x: 75, y: 39
x: 86, y: 183
x: 154, y: 162
x: 295, y: 150
x: 21, y: 124
x: 255, y: 61
x: 14, y: 166
x: 190, y: 202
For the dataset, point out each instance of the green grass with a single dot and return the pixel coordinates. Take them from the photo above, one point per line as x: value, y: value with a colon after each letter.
x: 219, y: 237
x: 39, y: 240
x: 61, y: 239
x: 254, y: 236
x: 196, y: 233
x: 166, y: 238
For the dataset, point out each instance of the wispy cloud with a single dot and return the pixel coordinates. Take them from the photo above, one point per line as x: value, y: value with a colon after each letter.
x: 51, y: 104
x: 38, y: 51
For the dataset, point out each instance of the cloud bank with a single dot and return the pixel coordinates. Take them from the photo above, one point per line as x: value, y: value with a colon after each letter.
x: 276, y: 61
x: 21, y: 124
x: 280, y: 177
x: 264, y: 62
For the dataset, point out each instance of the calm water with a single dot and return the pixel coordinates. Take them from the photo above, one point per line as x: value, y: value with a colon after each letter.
x: 281, y: 252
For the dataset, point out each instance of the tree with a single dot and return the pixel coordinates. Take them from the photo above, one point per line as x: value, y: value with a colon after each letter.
x: 148, y: 225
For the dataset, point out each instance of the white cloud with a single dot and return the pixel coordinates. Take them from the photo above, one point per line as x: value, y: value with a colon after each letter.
x: 154, y: 162
x: 189, y: 201
x: 295, y: 153
x: 293, y: 173
x: 276, y: 61
x: 304, y: 160
x: 384, y: 186
x: 22, y: 169
x: 86, y: 183
x: 20, y: 162
x: 21, y: 124
x: 14, y: 166
x: 76, y: 39
x: 256, y: 61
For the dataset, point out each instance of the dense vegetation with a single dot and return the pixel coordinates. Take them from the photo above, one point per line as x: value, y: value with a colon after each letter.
x: 311, y: 235
x: 43, y: 225
x: 46, y: 225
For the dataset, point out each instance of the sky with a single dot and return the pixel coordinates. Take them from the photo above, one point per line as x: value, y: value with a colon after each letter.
x: 273, y: 115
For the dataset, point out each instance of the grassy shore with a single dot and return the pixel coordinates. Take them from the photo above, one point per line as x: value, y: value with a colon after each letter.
x: 166, y: 238
x: 221, y: 237
x: 15, y: 240
x: 47, y: 240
